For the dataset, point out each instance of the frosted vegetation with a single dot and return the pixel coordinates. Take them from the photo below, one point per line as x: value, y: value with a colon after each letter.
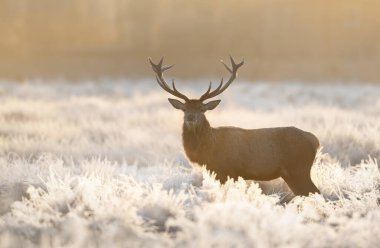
x: 101, y: 165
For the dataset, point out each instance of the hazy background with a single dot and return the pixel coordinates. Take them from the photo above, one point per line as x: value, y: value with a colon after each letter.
x: 324, y: 40
x: 100, y: 163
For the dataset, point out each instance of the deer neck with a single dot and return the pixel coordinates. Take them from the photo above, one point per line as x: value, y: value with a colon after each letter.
x: 197, y: 140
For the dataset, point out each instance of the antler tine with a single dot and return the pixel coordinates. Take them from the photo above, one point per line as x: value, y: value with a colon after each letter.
x: 154, y: 66
x: 226, y: 66
x: 235, y: 66
x: 161, y: 61
x: 207, y: 92
x: 167, y: 67
x: 208, y: 95
x: 174, y: 88
x: 222, y: 87
x: 159, y: 69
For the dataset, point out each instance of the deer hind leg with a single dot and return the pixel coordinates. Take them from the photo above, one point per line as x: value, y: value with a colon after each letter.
x: 221, y: 177
x: 301, y: 184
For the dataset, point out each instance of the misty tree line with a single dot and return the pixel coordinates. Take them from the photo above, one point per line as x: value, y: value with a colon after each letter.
x: 267, y: 31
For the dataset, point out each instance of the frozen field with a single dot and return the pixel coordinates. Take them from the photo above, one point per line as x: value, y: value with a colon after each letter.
x: 102, y: 165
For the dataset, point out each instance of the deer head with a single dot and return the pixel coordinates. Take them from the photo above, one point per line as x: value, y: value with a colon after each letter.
x: 194, y: 109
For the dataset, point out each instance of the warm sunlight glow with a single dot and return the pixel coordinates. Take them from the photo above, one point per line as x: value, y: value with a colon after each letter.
x: 289, y: 39
x: 112, y: 135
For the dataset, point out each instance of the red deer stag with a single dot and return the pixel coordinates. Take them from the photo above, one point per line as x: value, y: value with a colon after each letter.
x: 254, y: 154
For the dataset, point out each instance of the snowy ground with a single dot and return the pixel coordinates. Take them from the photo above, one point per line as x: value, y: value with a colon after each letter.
x: 101, y: 165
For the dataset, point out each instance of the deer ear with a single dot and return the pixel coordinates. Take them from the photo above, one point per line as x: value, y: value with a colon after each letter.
x: 176, y: 104
x: 210, y: 105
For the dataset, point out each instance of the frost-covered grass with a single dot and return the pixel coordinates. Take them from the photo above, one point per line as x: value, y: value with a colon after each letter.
x: 101, y: 165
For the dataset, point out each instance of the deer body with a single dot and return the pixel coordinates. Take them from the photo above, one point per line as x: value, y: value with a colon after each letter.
x: 253, y: 154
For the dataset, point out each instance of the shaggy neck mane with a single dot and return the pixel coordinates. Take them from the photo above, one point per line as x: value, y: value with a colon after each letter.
x: 196, y: 141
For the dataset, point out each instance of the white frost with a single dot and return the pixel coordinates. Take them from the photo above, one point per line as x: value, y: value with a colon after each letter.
x: 101, y: 165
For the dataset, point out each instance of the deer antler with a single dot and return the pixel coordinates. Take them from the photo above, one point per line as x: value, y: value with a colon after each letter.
x: 159, y: 69
x: 221, y: 87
